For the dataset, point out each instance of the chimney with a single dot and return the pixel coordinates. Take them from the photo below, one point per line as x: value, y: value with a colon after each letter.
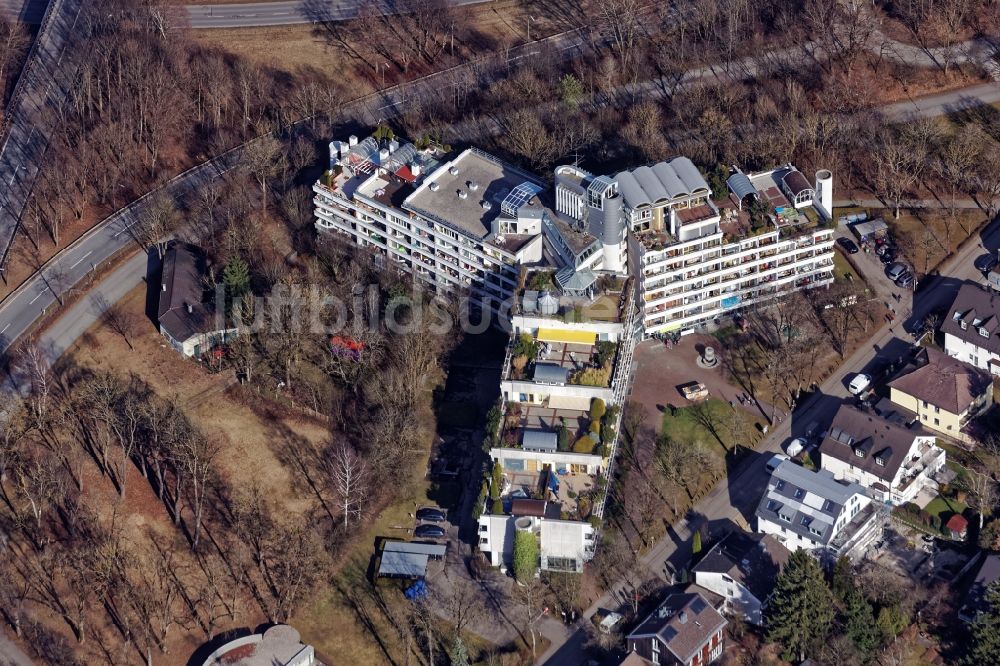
x: 163, y: 287
x: 683, y: 617
x: 190, y: 308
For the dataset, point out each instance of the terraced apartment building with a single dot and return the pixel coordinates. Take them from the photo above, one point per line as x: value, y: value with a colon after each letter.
x: 470, y: 222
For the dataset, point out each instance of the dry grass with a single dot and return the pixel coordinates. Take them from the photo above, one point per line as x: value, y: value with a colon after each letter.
x: 927, y: 236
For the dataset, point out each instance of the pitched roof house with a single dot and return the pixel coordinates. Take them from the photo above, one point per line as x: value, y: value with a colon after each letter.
x: 975, y: 598
x: 684, y: 629
x: 944, y: 393
x: 742, y: 568
x: 890, y: 460
x: 815, y: 512
x: 971, y: 327
x: 187, y: 319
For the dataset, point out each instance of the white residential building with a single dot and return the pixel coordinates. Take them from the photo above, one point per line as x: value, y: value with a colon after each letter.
x: 971, y: 327
x: 471, y: 221
x: 742, y: 568
x: 815, y: 512
x: 563, y: 545
x: 891, y: 461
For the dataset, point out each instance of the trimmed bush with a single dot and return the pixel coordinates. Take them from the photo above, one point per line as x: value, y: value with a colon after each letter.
x: 564, y: 443
x: 497, y: 481
x: 497, y: 508
x: 584, y: 445
x: 595, y: 427
x: 583, y: 508
x: 525, y: 556
x: 597, y: 409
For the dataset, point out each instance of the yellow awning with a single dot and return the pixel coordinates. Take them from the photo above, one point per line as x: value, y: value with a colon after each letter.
x: 566, y: 337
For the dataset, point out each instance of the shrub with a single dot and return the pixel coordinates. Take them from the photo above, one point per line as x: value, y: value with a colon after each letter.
x: 911, y: 507
x: 606, y: 352
x: 477, y: 510
x: 525, y: 346
x: 936, y: 522
x: 584, y: 445
x: 525, y: 556
x: 518, y: 364
x: 595, y: 428
x: 497, y: 507
x: 571, y: 494
x: 563, y: 443
x: 961, y: 496
x: 583, y: 508
x: 497, y: 480
x: 592, y: 376
x: 925, y: 517
x: 597, y: 408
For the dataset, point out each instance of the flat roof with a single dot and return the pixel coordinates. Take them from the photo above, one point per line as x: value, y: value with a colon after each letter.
x: 495, y: 180
x: 432, y: 549
x: 410, y: 565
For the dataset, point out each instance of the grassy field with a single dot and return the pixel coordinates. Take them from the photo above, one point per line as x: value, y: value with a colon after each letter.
x: 841, y: 268
x: 686, y: 424
x: 926, y: 236
x: 945, y: 507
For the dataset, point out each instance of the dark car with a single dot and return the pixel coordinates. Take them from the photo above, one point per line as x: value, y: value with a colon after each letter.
x: 887, y: 257
x: 429, y: 532
x: 431, y: 514
x: 849, y: 246
x: 905, y: 280
x: 985, y: 263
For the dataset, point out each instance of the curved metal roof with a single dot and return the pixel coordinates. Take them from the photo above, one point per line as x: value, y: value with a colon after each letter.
x: 651, y: 184
x: 689, y: 173
x: 550, y: 373
x: 675, y: 186
x: 741, y: 186
x: 634, y: 195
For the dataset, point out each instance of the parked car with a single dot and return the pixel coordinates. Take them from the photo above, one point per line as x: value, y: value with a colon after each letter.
x: 986, y: 262
x: 894, y: 270
x: 429, y: 532
x: 431, y: 514
x: 795, y: 447
x: 849, y: 246
x: 887, y: 257
x: 860, y: 383
x: 776, y: 460
x: 905, y: 280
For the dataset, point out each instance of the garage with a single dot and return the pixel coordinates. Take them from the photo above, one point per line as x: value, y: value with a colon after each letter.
x: 579, y: 403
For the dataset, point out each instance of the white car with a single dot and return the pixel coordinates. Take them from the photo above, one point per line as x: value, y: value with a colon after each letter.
x: 776, y: 460
x: 796, y: 446
x: 860, y: 383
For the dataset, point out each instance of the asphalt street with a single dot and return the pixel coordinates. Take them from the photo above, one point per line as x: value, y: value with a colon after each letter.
x: 43, y: 83
x: 734, y: 501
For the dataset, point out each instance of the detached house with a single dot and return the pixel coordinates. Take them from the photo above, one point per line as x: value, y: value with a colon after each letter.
x: 188, y: 320
x: 742, y: 569
x: 683, y: 630
x: 891, y: 461
x: 971, y: 328
x: 944, y: 394
x: 817, y: 513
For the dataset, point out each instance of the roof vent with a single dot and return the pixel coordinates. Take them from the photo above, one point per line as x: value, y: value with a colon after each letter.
x: 415, y: 168
x: 434, y: 187
x: 190, y: 308
x: 683, y: 617
x: 462, y: 194
x: 163, y: 286
x: 486, y: 205
x: 453, y: 170
x: 352, y: 140
x: 473, y: 185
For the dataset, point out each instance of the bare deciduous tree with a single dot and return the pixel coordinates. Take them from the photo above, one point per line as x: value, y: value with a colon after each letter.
x: 349, y: 475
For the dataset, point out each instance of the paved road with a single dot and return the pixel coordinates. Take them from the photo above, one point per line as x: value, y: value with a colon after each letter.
x: 11, y: 654
x: 29, y: 11
x: 43, y: 84
x: 734, y: 500
x: 252, y: 14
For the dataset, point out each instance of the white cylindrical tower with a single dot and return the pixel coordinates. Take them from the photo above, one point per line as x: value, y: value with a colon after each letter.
x: 824, y: 192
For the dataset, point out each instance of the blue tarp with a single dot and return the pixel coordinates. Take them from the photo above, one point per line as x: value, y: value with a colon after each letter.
x: 553, y: 482
x: 416, y: 591
x: 730, y: 302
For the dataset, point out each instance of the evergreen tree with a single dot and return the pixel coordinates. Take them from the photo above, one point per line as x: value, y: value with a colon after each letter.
x: 859, y: 622
x: 236, y: 277
x: 497, y: 481
x: 842, y: 578
x: 696, y: 543
x: 459, y: 654
x: 986, y: 631
x: 525, y: 556
x: 800, y: 610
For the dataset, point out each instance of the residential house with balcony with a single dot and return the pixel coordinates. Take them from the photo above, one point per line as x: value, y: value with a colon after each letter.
x: 971, y: 327
x: 944, y: 393
x: 742, y: 569
x: 893, y: 462
x: 817, y: 513
x: 684, y: 630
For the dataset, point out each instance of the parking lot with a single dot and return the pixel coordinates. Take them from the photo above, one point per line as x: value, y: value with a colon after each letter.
x: 874, y: 273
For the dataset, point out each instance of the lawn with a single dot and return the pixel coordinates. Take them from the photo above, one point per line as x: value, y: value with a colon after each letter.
x: 710, y: 423
x: 842, y: 268
x: 944, y: 507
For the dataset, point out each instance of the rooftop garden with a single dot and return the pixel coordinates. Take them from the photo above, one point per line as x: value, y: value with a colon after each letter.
x: 587, y: 432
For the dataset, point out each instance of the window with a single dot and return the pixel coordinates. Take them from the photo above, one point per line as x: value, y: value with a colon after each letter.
x: 827, y: 505
x: 963, y: 325
x: 781, y: 484
x: 925, y: 404
x: 483, y: 540
x: 799, y: 493
x: 983, y: 332
x: 879, y: 460
x: 937, y: 410
x: 937, y: 421
x: 859, y: 453
x: 656, y: 645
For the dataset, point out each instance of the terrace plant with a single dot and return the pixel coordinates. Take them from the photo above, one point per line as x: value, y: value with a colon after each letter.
x: 592, y: 376
x: 526, y: 346
x: 597, y: 409
x: 584, y: 445
x: 606, y: 351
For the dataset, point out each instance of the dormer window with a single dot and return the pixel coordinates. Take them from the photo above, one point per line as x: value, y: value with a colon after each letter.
x: 983, y: 332
x: 956, y: 316
x: 879, y: 460
x: 799, y: 493
x: 827, y: 505
x: 781, y: 484
x: 859, y: 453
x: 963, y: 325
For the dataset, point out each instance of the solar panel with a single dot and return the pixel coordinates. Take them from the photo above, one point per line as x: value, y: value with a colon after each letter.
x: 519, y: 196
x: 698, y: 605
x: 669, y: 633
